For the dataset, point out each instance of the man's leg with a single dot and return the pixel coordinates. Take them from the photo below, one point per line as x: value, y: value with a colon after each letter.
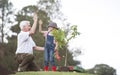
x: 23, y: 68
x: 26, y: 59
x: 33, y: 67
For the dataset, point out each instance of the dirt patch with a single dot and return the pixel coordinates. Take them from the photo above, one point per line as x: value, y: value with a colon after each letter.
x: 5, y: 71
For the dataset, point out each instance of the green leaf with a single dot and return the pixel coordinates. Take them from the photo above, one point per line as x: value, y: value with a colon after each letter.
x: 59, y: 37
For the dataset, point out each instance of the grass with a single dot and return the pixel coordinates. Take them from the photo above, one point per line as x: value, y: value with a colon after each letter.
x: 50, y: 73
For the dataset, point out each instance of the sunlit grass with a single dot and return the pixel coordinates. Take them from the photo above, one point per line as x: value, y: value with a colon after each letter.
x: 50, y: 73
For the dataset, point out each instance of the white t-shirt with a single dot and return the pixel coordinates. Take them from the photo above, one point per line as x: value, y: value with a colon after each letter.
x: 25, y: 43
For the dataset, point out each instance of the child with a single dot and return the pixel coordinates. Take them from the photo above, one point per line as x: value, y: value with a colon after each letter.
x: 50, y: 45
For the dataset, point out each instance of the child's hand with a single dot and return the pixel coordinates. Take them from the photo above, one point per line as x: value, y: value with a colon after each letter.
x: 57, y: 56
x: 40, y: 22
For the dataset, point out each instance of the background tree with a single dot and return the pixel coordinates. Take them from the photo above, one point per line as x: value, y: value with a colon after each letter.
x: 52, y: 7
x: 7, y: 20
x: 103, y: 69
x: 76, y: 52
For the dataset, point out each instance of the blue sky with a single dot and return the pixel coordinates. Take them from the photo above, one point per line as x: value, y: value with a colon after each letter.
x: 99, y: 23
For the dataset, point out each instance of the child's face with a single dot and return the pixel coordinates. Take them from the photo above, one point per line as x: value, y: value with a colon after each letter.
x: 50, y: 28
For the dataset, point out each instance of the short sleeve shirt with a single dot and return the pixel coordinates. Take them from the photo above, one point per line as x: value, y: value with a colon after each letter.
x: 25, y: 43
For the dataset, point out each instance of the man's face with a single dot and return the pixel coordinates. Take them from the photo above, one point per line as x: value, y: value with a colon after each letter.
x: 27, y: 27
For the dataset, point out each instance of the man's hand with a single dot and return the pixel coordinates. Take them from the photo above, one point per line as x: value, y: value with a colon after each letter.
x: 33, y: 28
x: 35, y: 17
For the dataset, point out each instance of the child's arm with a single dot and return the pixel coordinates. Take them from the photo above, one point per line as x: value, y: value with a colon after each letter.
x: 56, y: 45
x: 40, y: 27
x: 57, y: 56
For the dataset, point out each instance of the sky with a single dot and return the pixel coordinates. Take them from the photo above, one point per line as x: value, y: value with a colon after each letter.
x: 98, y: 22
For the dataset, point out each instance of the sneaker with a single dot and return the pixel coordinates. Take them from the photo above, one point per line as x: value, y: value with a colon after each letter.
x: 19, y: 69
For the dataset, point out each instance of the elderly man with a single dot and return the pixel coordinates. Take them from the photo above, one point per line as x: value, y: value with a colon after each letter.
x: 26, y: 45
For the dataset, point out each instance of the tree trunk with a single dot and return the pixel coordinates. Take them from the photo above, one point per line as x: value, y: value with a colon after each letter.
x: 2, y: 25
x: 66, y: 58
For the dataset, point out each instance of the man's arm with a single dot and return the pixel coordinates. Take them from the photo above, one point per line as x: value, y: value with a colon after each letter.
x: 37, y: 48
x: 33, y: 28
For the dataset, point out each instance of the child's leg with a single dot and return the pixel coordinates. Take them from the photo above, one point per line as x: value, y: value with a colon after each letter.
x: 52, y: 62
x: 46, y: 59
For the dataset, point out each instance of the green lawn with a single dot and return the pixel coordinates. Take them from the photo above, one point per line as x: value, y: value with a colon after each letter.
x: 50, y: 73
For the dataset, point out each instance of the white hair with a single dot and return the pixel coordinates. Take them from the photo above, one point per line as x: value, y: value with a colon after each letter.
x: 23, y: 23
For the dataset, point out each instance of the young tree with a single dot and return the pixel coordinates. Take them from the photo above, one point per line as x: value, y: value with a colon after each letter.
x: 71, y: 33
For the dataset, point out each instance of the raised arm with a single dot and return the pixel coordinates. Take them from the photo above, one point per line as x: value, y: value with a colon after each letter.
x: 40, y: 27
x: 33, y: 28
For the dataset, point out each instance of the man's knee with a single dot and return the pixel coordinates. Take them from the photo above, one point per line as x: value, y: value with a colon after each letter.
x: 26, y: 59
x: 30, y: 56
x: 18, y: 58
